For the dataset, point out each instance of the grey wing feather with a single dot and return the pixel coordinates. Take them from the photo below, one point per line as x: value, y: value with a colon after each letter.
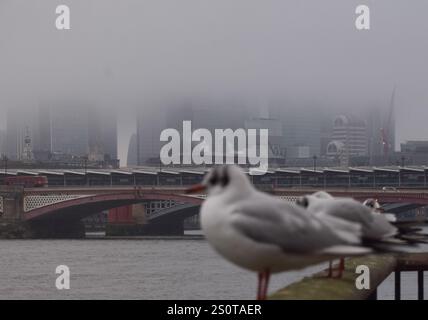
x: 374, y: 225
x: 342, y: 208
x: 290, y: 227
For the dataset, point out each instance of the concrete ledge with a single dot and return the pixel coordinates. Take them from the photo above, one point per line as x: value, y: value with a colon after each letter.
x: 318, y: 287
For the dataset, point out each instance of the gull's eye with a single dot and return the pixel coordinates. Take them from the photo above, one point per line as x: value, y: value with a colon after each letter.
x: 224, y: 180
x: 213, y: 180
x: 303, y: 202
x: 224, y: 176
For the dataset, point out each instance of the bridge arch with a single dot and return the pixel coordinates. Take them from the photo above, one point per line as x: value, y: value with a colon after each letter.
x: 80, y: 207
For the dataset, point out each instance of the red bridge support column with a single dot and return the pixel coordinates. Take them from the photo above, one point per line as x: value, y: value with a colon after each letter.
x: 130, y: 221
x: 121, y: 215
x: 126, y: 220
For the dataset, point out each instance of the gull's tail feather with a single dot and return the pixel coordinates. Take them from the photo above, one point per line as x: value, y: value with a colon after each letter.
x: 411, y: 232
x: 391, y: 245
x: 414, y: 238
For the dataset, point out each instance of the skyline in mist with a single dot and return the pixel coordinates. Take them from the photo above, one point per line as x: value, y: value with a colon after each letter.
x: 120, y: 54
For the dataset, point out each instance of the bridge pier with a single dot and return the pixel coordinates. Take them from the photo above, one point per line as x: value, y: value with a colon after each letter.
x: 169, y: 228
x: 14, y: 229
x: 131, y: 221
x: 11, y: 224
x: 57, y: 229
x: 11, y: 198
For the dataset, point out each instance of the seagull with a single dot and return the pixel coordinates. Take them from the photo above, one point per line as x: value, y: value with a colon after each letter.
x: 408, y: 231
x: 375, y: 226
x: 265, y: 234
x: 376, y: 207
x: 378, y: 229
x: 374, y: 204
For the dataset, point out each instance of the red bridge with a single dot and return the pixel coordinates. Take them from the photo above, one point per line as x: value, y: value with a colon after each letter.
x: 57, y: 211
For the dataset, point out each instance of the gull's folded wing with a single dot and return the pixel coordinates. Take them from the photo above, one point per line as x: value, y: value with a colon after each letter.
x: 290, y: 227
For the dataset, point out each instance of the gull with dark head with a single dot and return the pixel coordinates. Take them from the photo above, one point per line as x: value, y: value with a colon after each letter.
x: 265, y: 234
x: 375, y: 226
x: 380, y: 230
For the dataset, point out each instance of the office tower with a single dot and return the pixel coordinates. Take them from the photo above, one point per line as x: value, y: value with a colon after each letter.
x: 374, y: 123
x: 70, y: 129
x: 380, y: 120
x: 108, y: 132
x: 151, y: 120
x: 326, y: 132
x: 19, y: 124
x: 79, y: 129
x: 102, y: 134
x: 42, y: 144
x: 414, y: 147
x: 276, y: 148
x: 157, y: 115
x: 2, y: 142
x: 301, y: 127
x: 349, y: 138
x: 13, y: 134
x: 132, y: 151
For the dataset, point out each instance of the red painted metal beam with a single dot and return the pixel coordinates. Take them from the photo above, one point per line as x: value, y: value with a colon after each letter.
x: 140, y: 194
x: 132, y: 197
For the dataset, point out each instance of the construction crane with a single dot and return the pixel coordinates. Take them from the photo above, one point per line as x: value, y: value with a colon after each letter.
x: 385, y: 131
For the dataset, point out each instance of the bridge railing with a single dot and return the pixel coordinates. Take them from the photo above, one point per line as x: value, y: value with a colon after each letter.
x: 305, y: 178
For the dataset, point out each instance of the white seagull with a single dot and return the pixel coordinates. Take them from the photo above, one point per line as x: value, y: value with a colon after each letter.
x: 377, y: 228
x: 265, y: 234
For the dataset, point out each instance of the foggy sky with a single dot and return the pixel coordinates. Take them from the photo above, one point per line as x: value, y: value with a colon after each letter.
x: 118, y: 53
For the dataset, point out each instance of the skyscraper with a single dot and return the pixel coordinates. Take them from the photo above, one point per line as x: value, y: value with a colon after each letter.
x: 301, y: 127
x: 102, y: 134
x: 349, y: 138
x: 80, y: 129
x: 2, y: 142
x: 150, y: 122
x: 132, y: 151
x: 157, y: 115
x: 380, y: 120
x: 276, y: 148
x: 19, y: 124
x: 42, y: 144
x: 70, y: 127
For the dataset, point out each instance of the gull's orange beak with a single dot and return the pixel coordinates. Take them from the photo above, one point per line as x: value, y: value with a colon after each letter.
x: 196, y: 188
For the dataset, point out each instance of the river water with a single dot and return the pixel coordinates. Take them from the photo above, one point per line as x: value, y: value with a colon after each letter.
x: 138, y: 269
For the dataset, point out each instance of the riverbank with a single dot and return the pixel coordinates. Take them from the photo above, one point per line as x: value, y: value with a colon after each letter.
x: 188, y: 235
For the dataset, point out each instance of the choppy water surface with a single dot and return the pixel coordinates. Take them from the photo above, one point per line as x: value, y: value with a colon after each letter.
x: 138, y: 269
